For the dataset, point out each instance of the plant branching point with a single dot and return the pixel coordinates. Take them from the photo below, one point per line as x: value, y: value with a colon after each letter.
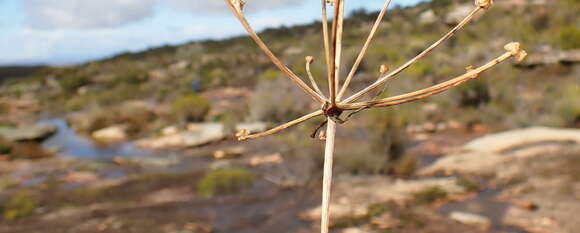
x: 332, y: 105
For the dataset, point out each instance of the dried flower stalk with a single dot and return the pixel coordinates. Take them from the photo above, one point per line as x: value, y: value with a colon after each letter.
x: 333, y: 107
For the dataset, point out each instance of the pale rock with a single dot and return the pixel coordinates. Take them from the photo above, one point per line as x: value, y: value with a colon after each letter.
x: 355, y: 230
x: 28, y: 133
x: 111, y: 134
x: 195, y: 135
x: 510, y: 139
x: 458, y: 13
x: 169, y: 130
x: 471, y: 219
x: 252, y: 127
x: 256, y: 161
x: 229, y: 153
x: 81, y: 177
x: 483, y: 155
x: 428, y: 17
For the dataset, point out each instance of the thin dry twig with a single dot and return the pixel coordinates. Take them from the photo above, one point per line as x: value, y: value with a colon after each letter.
x: 245, y: 134
x: 237, y: 10
x: 389, y: 76
x: 514, y: 50
x: 309, y: 61
x: 363, y: 51
x: 335, y: 55
x: 325, y: 38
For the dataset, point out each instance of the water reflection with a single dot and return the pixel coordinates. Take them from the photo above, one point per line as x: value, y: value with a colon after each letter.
x: 68, y: 143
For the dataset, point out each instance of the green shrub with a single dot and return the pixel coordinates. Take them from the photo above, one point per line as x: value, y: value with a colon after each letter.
x: 361, y: 160
x: 5, y: 146
x: 569, y: 106
x: 71, y: 82
x: 191, y: 108
x: 277, y: 101
x: 271, y: 74
x: 430, y: 195
x: 20, y: 205
x: 224, y: 182
x: 388, y: 130
x: 570, y: 37
x: 473, y: 94
x: 136, y: 116
x: 469, y: 184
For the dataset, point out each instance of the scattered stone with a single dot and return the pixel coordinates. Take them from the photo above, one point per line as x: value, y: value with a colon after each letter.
x: 158, y: 74
x: 355, y: 230
x: 115, y: 133
x: 81, y: 177
x: 256, y: 161
x: 552, y: 58
x: 471, y: 219
x: 29, y: 133
x: 181, y: 65
x: 146, y: 161
x: 528, y: 205
x: 252, y: 127
x: 428, y: 17
x: 510, y: 139
x: 221, y: 164
x: 169, y: 195
x: 169, y: 130
x: 457, y: 14
x: 229, y: 153
x: 195, y: 135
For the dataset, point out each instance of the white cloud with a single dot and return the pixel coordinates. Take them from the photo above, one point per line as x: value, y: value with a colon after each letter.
x: 208, y: 6
x: 86, y: 13
x: 51, y: 14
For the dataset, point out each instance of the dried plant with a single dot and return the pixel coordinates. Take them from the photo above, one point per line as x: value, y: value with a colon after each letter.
x: 332, y: 105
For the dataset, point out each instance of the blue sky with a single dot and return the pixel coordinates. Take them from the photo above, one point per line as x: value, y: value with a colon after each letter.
x: 71, y: 31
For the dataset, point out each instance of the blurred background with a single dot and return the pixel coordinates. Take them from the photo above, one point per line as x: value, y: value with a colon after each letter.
x: 119, y: 116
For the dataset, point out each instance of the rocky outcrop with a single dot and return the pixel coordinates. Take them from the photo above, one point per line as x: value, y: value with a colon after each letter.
x: 551, y: 58
x: 471, y: 219
x: 353, y: 194
x: 111, y: 134
x: 195, y: 135
x: 28, y: 133
x: 483, y: 155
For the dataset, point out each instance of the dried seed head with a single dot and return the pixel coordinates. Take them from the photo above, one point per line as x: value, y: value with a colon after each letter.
x: 322, y: 136
x: 516, y: 50
x: 384, y: 69
x: 331, y: 2
x: 242, y: 134
x: 484, y: 3
x: 239, y: 5
x: 309, y: 59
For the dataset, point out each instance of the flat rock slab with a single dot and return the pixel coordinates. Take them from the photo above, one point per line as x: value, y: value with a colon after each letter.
x: 29, y: 133
x: 195, y: 135
x: 352, y: 195
x: 510, y: 139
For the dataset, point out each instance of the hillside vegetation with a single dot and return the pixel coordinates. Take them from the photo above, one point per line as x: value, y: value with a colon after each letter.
x: 508, y: 96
